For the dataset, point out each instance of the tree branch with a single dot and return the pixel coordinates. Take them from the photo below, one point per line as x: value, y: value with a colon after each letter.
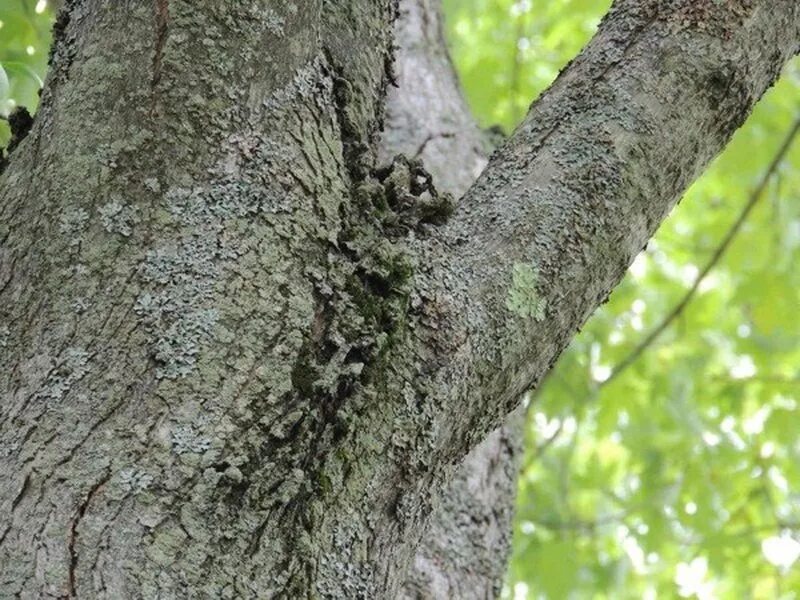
x: 582, y: 184
x: 467, y: 538
x: 715, y: 258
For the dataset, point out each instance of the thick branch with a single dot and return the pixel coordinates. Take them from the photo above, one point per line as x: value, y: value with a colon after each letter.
x: 583, y: 183
x: 720, y: 250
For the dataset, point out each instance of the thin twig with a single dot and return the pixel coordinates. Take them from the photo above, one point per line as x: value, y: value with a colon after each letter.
x: 548, y: 441
x: 726, y: 242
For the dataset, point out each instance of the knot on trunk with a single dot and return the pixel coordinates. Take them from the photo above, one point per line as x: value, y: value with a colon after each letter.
x: 403, y: 197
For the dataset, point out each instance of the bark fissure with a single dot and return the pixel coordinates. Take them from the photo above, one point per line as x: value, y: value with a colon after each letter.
x: 22, y: 491
x: 161, y: 31
x: 73, y: 534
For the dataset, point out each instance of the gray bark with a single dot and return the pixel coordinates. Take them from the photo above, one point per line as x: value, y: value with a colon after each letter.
x: 238, y: 359
x: 467, y: 539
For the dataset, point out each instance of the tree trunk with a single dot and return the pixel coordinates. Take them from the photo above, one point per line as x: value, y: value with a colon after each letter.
x: 464, y: 551
x: 242, y: 359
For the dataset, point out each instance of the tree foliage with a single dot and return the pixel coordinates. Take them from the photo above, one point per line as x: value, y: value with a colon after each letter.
x: 679, y: 474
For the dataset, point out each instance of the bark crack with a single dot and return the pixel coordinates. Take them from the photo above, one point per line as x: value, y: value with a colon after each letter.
x: 73, y: 533
x: 162, y: 21
x: 22, y: 491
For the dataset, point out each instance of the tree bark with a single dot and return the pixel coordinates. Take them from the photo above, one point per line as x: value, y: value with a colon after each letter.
x: 241, y: 359
x: 464, y: 551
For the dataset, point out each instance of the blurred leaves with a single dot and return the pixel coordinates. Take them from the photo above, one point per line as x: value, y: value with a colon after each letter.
x: 24, y: 45
x: 671, y: 479
x: 507, y: 51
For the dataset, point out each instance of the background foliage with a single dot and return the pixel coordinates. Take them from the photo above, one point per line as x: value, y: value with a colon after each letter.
x: 24, y: 45
x: 680, y: 475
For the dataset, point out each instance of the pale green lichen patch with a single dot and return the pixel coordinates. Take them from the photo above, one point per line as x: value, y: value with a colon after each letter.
x: 72, y: 222
x: 186, y: 439
x: 135, y: 481
x: 70, y: 369
x: 181, y: 278
x: 72, y: 219
x: 523, y: 298
x: 118, y: 218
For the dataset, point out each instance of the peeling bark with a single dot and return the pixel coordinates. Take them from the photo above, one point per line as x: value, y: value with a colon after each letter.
x: 242, y: 359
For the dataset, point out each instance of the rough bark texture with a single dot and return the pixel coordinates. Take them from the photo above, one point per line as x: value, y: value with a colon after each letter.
x: 239, y: 359
x: 465, y: 548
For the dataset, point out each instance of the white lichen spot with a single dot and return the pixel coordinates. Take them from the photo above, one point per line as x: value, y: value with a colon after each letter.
x: 5, y: 332
x: 118, y: 218
x: 185, y: 439
x: 9, y: 449
x: 78, y: 270
x: 274, y: 23
x: 523, y: 298
x: 80, y: 305
x: 133, y: 480
x: 151, y: 305
x: 71, y: 222
x: 68, y: 372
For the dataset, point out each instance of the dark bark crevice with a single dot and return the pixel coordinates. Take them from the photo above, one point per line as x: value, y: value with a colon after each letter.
x: 73, y: 534
x: 161, y: 9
